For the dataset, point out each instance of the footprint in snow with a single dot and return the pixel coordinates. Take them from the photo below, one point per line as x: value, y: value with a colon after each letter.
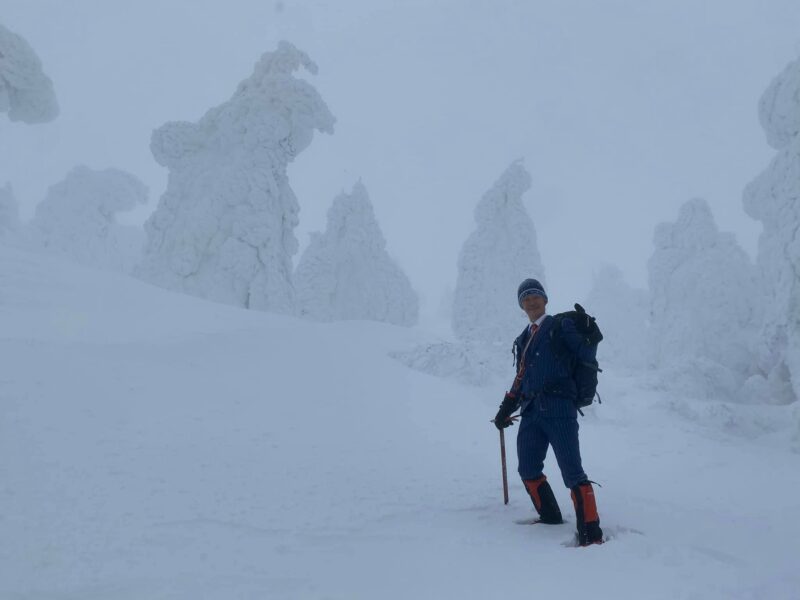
x: 609, y: 533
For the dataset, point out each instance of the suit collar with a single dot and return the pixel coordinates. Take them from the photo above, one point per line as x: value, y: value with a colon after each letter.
x: 540, y: 320
x: 545, y: 324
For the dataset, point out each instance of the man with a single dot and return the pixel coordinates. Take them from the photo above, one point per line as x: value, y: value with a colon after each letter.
x: 545, y: 391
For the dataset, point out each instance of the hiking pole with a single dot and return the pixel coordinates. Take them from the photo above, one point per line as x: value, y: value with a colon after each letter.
x: 503, y: 460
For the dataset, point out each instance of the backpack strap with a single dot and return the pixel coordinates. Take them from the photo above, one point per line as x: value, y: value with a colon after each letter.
x: 517, y: 384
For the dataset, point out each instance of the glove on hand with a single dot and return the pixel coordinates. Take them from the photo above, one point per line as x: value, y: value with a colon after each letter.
x: 507, y: 407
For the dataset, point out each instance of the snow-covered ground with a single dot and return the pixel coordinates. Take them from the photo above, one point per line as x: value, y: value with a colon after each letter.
x: 157, y: 446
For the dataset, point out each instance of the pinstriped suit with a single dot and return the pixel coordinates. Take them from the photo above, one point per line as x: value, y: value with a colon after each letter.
x: 549, y: 416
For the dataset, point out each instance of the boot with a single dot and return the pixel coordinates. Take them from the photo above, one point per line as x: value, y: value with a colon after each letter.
x: 588, y: 521
x: 543, y: 500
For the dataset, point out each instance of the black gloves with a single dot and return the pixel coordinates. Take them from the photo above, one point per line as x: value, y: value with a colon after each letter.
x: 507, y: 407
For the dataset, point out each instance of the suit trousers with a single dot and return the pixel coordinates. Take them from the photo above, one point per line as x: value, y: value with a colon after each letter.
x: 536, y: 433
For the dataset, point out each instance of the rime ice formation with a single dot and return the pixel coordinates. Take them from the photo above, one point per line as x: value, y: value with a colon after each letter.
x: 779, y: 108
x: 497, y: 256
x: 703, y: 317
x: 622, y: 313
x: 472, y: 364
x: 346, y: 273
x: 77, y: 218
x: 9, y: 213
x: 224, y: 229
x: 774, y: 199
x: 26, y: 93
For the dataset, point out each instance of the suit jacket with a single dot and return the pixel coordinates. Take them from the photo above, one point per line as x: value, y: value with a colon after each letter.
x: 548, y: 387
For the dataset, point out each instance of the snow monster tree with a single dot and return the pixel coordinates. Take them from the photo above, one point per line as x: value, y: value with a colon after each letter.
x: 497, y: 256
x: 224, y: 228
x: 346, y: 273
x: 623, y: 310
x: 774, y: 199
x: 26, y: 93
x: 702, y: 312
x: 77, y: 218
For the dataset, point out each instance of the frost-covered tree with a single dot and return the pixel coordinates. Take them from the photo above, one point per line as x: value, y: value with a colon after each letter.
x: 774, y: 199
x: 9, y: 212
x: 224, y: 229
x: 346, y: 273
x: 497, y: 256
x: 703, y: 316
x: 622, y: 312
x: 26, y: 93
x: 77, y: 218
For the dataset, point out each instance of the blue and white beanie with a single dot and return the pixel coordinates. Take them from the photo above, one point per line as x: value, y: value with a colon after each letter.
x: 530, y: 287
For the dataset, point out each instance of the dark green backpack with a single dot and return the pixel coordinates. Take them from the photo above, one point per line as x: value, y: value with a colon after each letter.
x: 584, y: 373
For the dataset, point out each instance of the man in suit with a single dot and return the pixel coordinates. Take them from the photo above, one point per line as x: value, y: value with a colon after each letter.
x: 545, y: 392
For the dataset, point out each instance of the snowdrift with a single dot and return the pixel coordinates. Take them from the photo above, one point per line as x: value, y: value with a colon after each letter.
x: 156, y: 445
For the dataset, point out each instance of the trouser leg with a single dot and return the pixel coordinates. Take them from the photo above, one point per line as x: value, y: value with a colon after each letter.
x: 532, y: 445
x: 531, y: 448
x: 563, y: 437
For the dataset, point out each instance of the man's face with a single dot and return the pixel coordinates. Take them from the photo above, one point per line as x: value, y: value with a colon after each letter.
x: 533, y: 306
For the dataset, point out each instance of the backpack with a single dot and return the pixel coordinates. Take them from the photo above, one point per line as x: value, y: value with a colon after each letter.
x: 584, y: 373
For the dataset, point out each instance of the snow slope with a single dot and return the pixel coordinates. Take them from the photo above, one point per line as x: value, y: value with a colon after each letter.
x: 158, y: 446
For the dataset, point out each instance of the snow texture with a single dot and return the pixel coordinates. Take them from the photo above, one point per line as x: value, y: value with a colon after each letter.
x: 622, y: 313
x: 773, y: 198
x: 77, y: 218
x: 703, y: 318
x: 9, y: 211
x: 779, y: 107
x: 495, y: 259
x: 26, y: 93
x: 157, y: 446
x: 473, y: 364
x: 224, y: 228
x: 345, y: 273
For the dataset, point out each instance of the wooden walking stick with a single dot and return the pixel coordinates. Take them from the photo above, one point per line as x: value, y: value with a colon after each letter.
x: 503, y: 462
x: 515, y: 387
x: 503, y: 459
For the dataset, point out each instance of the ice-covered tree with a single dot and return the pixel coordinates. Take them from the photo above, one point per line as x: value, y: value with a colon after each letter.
x: 9, y: 212
x: 497, y: 256
x: 26, y: 93
x: 224, y: 229
x: 773, y: 198
x: 622, y: 312
x: 77, y: 218
x: 702, y: 312
x: 346, y: 272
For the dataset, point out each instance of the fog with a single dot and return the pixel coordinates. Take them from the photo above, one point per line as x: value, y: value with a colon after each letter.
x: 622, y: 111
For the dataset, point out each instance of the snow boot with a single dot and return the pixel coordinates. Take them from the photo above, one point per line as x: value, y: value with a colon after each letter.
x: 588, y: 521
x: 543, y: 500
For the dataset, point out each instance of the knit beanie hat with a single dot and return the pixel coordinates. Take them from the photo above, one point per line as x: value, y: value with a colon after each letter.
x: 530, y: 287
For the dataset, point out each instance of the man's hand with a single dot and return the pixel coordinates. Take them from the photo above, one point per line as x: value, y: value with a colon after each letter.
x: 503, y: 417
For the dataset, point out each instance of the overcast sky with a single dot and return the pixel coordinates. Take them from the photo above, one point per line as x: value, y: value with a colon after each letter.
x: 621, y: 110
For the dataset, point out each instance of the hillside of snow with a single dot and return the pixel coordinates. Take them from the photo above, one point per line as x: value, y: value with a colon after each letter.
x: 159, y: 446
